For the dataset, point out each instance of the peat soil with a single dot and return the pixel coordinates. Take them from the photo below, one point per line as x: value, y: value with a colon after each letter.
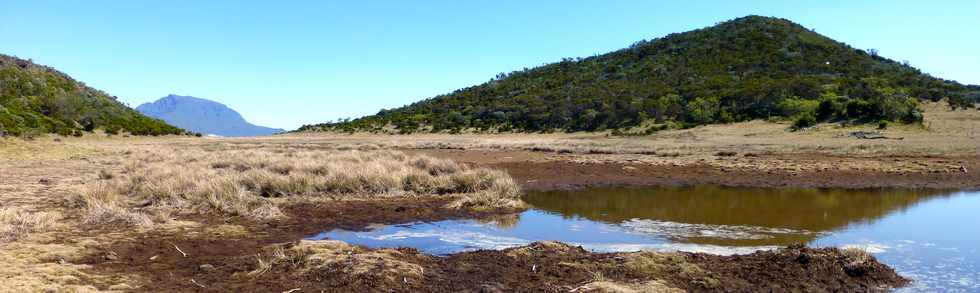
x: 544, y: 171
x: 217, y: 262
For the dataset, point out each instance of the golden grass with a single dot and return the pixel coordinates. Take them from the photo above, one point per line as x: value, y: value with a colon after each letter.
x: 157, y: 185
x: 614, y: 287
x: 658, y: 264
x: 16, y: 223
x: 857, y: 255
x: 943, y: 132
x: 328, y: 256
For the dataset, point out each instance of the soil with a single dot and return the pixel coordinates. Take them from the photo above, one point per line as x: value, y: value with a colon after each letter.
x: 538, y: 171
x: 216, y: 262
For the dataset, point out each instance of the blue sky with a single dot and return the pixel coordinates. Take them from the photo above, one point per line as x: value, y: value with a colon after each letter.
x: 299, y: 62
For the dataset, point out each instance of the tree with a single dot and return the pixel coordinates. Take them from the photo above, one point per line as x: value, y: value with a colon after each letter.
x: 703, y: 110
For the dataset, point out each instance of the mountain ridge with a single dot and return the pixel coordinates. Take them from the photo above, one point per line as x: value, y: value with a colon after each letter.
x: 203, y: 116
x: 748, y: 68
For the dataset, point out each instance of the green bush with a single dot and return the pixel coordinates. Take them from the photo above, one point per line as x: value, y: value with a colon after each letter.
x: 804, y: 120
x: 703, y: 110
x: 793, y: 106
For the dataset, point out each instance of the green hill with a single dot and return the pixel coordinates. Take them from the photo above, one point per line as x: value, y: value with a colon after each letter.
x: 38, y: 99
x: 748, y: 68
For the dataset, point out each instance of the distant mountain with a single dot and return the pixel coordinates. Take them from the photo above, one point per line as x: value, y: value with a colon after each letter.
x: 39, y: 99
x: 203, y: 116
x: 747, y: 68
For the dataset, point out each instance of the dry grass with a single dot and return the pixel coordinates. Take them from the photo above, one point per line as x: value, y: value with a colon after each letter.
x: 332, y: 257
x: 16, y: 223
x: 614, y: 287
x: 659, y: 265
x: 857, y: 255
x: 943, y: 132
x: 158, y: 185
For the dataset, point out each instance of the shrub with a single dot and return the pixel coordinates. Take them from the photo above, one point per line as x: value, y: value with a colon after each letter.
x: 794, y: 106
x: 804, y: 120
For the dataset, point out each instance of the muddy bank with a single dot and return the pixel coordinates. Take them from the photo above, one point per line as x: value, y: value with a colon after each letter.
x: 568, y: 175
x: 225, y: 255
x: 549, y: 171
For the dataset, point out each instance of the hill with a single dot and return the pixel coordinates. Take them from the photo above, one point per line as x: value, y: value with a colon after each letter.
x: 747, y: 68
x: 202, y: 116
x: 38, y: 99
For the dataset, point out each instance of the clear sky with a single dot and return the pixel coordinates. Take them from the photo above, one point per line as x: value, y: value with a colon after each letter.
x: 288, y: 63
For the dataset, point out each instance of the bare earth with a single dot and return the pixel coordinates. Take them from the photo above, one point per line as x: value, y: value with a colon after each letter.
x: 48, y: 244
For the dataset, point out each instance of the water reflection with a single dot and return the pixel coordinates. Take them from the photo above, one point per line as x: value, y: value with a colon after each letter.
x: 730, y: 216
x: 926, y: 235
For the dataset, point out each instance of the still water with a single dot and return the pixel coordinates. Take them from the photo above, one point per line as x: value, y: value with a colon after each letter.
x: 931, y: 237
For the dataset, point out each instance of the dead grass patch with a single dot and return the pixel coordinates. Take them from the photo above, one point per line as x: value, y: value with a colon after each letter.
x: 614, y: 287
x: 660, y: 265
x: 16, y: 223
x: 333, y: 257
x: 158, y: 185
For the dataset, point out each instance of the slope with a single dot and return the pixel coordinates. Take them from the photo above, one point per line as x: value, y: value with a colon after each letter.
x: 38, y: 99
x: 747, y: 68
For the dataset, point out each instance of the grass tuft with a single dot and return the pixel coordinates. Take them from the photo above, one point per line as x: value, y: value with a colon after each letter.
x: 16, y: 224
x: 254, y: 183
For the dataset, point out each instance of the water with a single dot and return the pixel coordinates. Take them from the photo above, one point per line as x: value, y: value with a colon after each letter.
x: 931, y: 237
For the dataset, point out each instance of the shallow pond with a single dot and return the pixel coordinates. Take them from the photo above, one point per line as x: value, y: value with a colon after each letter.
x: 932, y: 237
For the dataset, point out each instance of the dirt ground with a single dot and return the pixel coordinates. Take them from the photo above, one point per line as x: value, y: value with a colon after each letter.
x: 56, y: 252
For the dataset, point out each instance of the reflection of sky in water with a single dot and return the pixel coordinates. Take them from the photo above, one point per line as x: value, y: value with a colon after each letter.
x: 446, y: 237
x: 933, y: 241
x: 936, y: 243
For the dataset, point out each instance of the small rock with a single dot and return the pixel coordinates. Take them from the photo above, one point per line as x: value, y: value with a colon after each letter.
x: 44, y: 181
x: 207, y: 268
x: 963, y: 169
x: 111, y: 256
x: 803, y: 258
x: 857, y: 269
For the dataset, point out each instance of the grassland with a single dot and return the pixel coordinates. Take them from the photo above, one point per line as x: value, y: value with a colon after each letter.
x: 101, y: 214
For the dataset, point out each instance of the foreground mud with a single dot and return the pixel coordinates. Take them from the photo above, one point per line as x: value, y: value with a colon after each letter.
x: 225, y: 255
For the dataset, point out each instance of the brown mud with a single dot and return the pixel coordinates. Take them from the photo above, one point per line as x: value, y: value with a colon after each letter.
x: 536, y: 171
x: 220, y: 262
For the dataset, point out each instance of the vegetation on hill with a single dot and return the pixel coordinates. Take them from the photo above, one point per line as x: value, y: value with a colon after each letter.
x: 748, y: 68
x: 37, y: 99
